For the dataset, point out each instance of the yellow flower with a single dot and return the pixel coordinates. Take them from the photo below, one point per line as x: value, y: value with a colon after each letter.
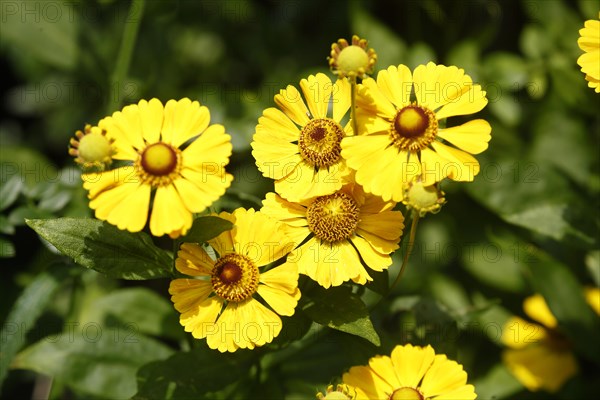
x: 92, y: 148
x: 336, y: 231
x: 300, y: 147
x: 411, y: 373
x: 402, y: 138
x: 539, y: 356
x: 174, y: 157
x: 352, y: 60
x: 589, y: 42
x: 219, y: 303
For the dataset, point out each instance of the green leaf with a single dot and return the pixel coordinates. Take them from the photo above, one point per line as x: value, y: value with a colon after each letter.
x: 566, y: 300
x: 592, y: 263
x: 497, y: 262
x: 506, y: 108
x: 10, y: 191
x: 535, y: 42
x: 507, y: 70
x: 5, y: 225
x: 93, y: 359
x: 206, y: 228
x: 535, y: 196
x: 190, y: 375
x: 44, y: 31
x: 32, y: 167
x: 26, y: 311
x: 340, y: 309
x: 136, y: 307
x: 105, y: 248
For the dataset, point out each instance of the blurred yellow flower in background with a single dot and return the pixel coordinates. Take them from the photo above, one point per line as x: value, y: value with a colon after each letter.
x: 539, y: 356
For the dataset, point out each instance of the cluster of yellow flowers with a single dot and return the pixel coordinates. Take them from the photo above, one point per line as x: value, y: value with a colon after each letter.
x: 341, y: 153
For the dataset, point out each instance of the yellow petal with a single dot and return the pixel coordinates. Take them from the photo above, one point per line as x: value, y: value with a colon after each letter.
x: 541, y: 367
x: 383, y: 367
x: 283, y: 278
x: 461, y: 166
x: 472, y: 137
x: 199, y: 320
x: 592, y: 296
x: 371, y: 99
x: 169, y: 213
x: 96, y: 183
x: 444, y: 376
x: 469, y: 102
x: 283, y: 303
x: 223, y: 244
x: 518, y: 333
x: 411, y: 363
x: 466, y: 392
x: 372, y: 258
x: 193, y: 260
x: 188, y: 294
x: 589, y: 36
x: 368, y: 381
x: 183, y: 120
x: 259, y: 237
x: 434, y: 167
x: 291, y: 103
x: 275, y: 160
x: 277, y: 207
x: 317, y: 92
x: 589, y: 63
x: 396, y: 84
x: 151, y: 115
x: 211, y: 149
x: 105, y: 202
x: 341, y: 99
x: 306, y: 182
x: 131, y: 213
x: 387, y: 224
x: 125, y: 127
x: 199, y: 190
x: 274, y: 124
x: 536, y: 307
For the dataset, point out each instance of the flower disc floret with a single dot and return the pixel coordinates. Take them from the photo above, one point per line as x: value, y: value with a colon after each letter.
x: 334, y: 217
x: 319, y: 142
x: 235, y: 277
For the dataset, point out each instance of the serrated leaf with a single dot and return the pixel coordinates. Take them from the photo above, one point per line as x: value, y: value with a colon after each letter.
x: 26, y: 311
x: 190, y: 375
x: 340, y: 309
x: 104, y: 248
x: 91, y: 359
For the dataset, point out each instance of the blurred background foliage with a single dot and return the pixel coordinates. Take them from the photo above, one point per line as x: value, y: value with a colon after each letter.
x: 528, y: 224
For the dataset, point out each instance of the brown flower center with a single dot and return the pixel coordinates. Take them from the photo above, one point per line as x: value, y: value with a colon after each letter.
x: 319, y: 142
x: 406, y: 393
x: 333, y: 218
x: 235, y: 277
x: 413, y: 128
x: 159, y: 164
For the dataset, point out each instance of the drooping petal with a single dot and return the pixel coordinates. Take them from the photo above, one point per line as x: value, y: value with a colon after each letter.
x: 396, y: 84
x: 199, y: 319
x: 370, y: 98
x: 472, y: 137
x: 169, y: 212
x: 461, y: 166
x: 193, y: 260
x: 188, y: 294
x: 151, y: 115
x: 283, y: 303
x: 291, y: 103
x: 307, y: 182
x: 317, y: 92
x: 373, y: 259
x: 411, y: 363
x: 131, y: 213
x: 444, y: 376
x: 341, y: 99
x: 283, y: 278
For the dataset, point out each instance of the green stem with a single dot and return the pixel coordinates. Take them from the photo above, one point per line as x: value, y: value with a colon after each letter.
x: 132, y: 24
x: 353, y: 105
x: 411, y: 243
